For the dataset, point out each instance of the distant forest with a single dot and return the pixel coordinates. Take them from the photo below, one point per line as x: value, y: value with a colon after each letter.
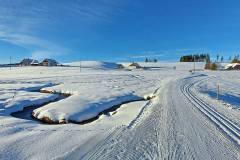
x: 196, y: 58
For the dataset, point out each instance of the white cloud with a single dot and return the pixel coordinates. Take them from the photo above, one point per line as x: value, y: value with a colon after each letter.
x: 39, y: 47
x: 22, y: 22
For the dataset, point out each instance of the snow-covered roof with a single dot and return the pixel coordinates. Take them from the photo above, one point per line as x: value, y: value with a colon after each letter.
x: 35, y: 62
x: 232, y: 65
x: 134, y: 65
x: 50, y: 60
x: 28, y: 61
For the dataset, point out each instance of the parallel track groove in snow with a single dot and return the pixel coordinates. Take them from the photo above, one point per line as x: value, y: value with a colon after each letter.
x: 226, y: 125
x: 162, y: 131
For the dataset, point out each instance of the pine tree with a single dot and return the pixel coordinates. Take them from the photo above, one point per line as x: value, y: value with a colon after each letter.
x: 222, y: 59
x: 217, y: 57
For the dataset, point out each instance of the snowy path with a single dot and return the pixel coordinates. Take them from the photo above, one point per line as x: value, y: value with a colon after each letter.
x: 231, y: 129
x: 174, y: 128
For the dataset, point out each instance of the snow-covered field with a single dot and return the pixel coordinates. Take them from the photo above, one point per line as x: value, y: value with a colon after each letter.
x: 160, y: 112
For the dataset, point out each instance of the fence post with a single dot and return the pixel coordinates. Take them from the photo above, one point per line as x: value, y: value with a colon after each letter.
x: 218, y: 88
x: 80, y: 66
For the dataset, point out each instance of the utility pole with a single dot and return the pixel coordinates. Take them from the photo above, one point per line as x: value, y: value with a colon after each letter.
x: 10, y: 63
x: 194, y: 64
x: 218, y: 89
x: 80, y: 66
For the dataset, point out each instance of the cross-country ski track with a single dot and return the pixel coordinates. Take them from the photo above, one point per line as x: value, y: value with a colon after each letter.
x: 169, y: 127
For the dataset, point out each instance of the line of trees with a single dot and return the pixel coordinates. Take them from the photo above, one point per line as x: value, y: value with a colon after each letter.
x: 219, y: 59
x: 212, y: 65
x: 151, y: 60
x: 235, y: 59
x: 195, y: 58
x: 206, y: 58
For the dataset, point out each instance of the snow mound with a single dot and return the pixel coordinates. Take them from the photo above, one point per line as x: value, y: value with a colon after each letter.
x: 78, y: 109
x: 93, y: 93
x: 94, y: 64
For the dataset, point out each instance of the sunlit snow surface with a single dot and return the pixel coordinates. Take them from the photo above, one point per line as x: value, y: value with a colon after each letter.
x: 94, y: 88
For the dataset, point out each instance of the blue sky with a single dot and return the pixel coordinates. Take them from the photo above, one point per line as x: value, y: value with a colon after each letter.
x: 117, y: 30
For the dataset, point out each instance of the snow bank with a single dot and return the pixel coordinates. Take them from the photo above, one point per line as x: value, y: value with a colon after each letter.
x: 169, y: 65
x: 26, y: 99
x: 15, y: 96
x: 78, y: 109
x: 94, y: 93
x: 14, y: 87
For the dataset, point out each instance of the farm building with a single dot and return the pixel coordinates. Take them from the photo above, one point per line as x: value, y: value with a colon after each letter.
x: 28, y: 62
x: 134, y: 66
x: 49, y: 62
x: 34, y: 63
x: 120, y: 66
x: 233, y: 66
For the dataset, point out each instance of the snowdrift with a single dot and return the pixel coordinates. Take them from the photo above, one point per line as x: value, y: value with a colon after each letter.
x: 15, y: 97
x: 91, y: 94
x: 77, y: 109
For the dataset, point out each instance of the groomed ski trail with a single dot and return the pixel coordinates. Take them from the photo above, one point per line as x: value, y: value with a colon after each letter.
x: 174, y: 128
